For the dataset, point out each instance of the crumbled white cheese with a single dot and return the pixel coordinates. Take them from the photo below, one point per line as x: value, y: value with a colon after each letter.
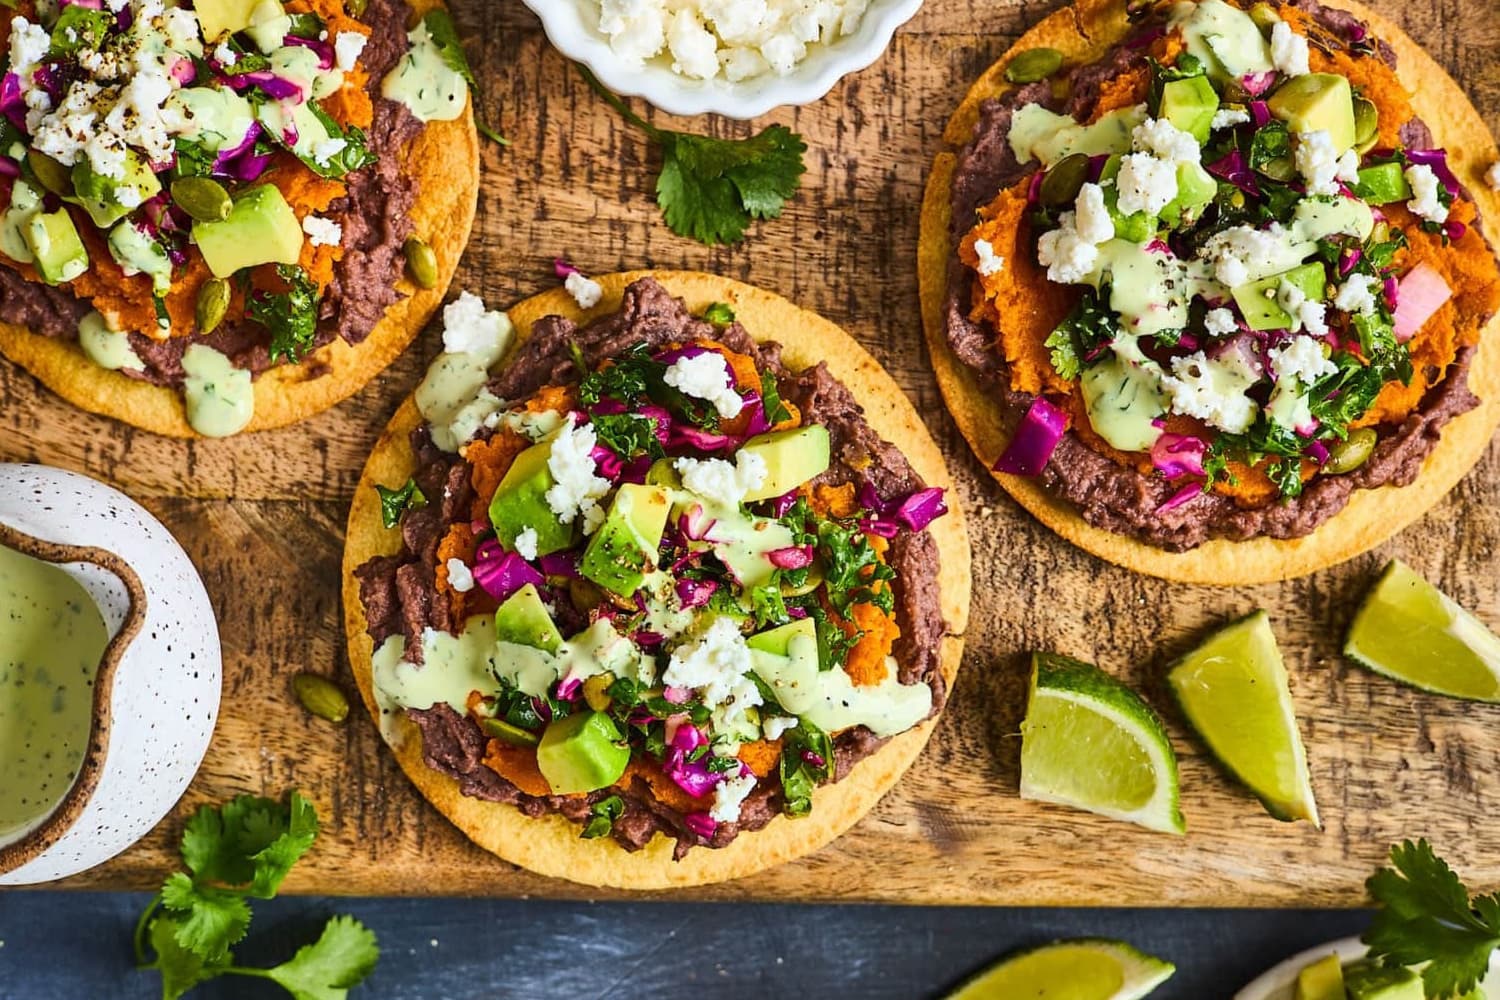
x: 1067, y: 256
x: 773, y: 727
x: 729, y: 794
x: 1492, y: 176
x: 694, y: 49
x: 1094, y: 223
x: 460, y: 577
x: 1289, y: 50
x: 716, y: 666
x: 470, y: 328
x: 637, y: 29
x: 718, y: 481
x: 225, y: 55
x: 347, y: 46
x: 576, y: 489
x: 322, y: 232
x: 1426, y: 202
x: 1146, y: 184
x: 706, y: 376
x: 1213, y: 390
x: 526, y: 543
x: 1357, y: 294
x: 989, y: 261
x: 1307, y: 314
x: 585, y: 291
x: 1220, y: 322
x: 1319, y: 164
x: 1301, y: 359
x: 1166, y: 141
x: 1228, y: 118
x: 1239, y: 251
x: 327, y: 149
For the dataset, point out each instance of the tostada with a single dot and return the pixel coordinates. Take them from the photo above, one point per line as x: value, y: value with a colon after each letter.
x: 228, y: 214
x: 1209, y: 284
x: 649, y: 598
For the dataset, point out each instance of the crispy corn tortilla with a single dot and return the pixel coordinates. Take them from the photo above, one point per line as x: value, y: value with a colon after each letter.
x: 443, y: 159
x: 1085, y: 32
x: 550, y: 845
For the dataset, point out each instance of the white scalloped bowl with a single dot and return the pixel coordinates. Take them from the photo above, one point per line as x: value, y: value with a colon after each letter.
x: 572, y: 26
x: 1280, y: 983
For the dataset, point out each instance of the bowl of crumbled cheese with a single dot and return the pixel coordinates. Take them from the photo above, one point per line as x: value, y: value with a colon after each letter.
x: 739, y: 58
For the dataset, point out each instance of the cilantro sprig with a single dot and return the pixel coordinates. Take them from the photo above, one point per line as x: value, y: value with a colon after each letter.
x: 1427, y: 916
x: 291, y: 316
x: 711, y: 189
x: 240, y: 851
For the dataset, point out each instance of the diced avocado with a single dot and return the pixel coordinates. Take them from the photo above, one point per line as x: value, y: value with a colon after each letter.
x: 1369, y: 981
x: 268, y: 25
x: 1260, y: 305
x: 110, y: 199
x: 1317, y: 102
x: 778, y: 640
x: 520, y: 502
x: 1138, y: 227
x: 1382, y: 184
x: 523, y: 620
x: 582, y: 752
x: 624, y: 548
x: 1322, y: 980
x: 1190, y: 105
x: 261, y: 229
x: 792, y: 458
x: 223, y: 17
x: 137, y: 253
x: 1196, y: 188
x: 58, y: 252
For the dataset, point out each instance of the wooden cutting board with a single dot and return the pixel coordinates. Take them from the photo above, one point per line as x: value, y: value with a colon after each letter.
x: 262, y: 516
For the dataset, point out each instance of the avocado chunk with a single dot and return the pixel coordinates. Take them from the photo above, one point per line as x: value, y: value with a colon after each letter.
x: 1196, y: 189
x: 792, y: 458
x: 523, y: 620
x: 55, y: 246
x: 624, y: 548
x: 261, y: 229
x: 1322, y: 980
x: 223, y: 17
x: 778, y: 641
x: 582, y: 752
x: 1138, y: 227
x: 1382, y: 184
x: 1368, y: 981
x: 1317, y: 102
x: 520, y: 502
x: 1190, y: 105
x: 1258, y: 299
x: 110, y: 199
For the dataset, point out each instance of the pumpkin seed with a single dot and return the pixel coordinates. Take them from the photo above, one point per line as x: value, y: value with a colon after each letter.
x: 813, y: 582
x: 356, y: 8
x: 1065, y: 180
x: 1350, y: 453
x: 49, y: 173
x: 1033, y: 65
x: 507, y: 733
x: 321, y: 697
x: 203, y: 198
x: 212, y: 305
x: 1264, y: 16
x: 421, y: 262
x: 1283, y: 168
x: 595, y: 691
x: 1366, y: 125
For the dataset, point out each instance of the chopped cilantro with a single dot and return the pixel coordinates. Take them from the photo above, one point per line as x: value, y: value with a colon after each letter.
x: 394, y: 503
x: 802, y: 750
x: 602, y: 816
x: 79, y: 27
x: 767, y: 604
x: 1087, y: 330
x: 628, y: 435
x: 355, y: 154
x: 851, y: 569
x: 770, y: 399
x: 445, y: 40
x: 624, y: 379
x: 291, y: 316
x: 720, y: 314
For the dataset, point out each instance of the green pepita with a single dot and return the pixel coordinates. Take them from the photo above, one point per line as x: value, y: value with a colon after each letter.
x: 507, y: 733
x: 356, y: 8
x: 1366, y: 125
x: 49, y: 173
x: 1265, y: 16
x: 1352, y: 452
x: 1065, y: 180
x: 596, y: 691
x: 203, y: 198
x: 321, y: 697
x: 813, y: 582
x: 212, y: 305
x: 421, y: 262
x: 1033, y: 65
x: 1283, y: 168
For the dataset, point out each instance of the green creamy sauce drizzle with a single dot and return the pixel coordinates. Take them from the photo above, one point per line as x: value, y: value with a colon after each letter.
x: 424, y: 82
x: 832, y: 702
x: 220, y: 398
x: 51, y: 640
x: 105, y: 347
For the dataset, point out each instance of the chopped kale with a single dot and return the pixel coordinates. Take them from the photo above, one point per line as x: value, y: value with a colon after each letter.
x: 394, y: 503
x: 291, y: 316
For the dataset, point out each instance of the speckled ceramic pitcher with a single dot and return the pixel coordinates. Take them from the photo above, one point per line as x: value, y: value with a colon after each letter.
x: 155, y: 695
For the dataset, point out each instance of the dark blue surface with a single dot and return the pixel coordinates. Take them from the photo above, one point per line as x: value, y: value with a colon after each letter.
x: 66, y: 945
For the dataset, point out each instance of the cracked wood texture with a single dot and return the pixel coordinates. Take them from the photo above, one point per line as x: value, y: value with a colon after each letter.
x: 262, y: 516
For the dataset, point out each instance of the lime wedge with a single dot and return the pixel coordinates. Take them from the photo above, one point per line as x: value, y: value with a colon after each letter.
x: 1086, y: 969
x: 1089, y: 741
x: 1412, y: 632
x: 1234, y: 691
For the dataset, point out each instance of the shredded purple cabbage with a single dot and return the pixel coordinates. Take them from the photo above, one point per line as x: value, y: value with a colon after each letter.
x: 1035, y: 440
x: 502, y: 573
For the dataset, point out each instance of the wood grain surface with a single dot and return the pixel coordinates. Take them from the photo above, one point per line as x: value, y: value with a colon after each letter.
x: 262, y: 517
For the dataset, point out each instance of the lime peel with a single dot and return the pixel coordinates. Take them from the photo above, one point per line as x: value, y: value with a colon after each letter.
x: 1081, y: 969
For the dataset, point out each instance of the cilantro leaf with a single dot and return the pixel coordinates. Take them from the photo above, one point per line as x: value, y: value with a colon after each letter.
x: 602, y: 816
x: 291, y: 316
x: 180, y: 969
x: 445, y: 40
x: 1426, y: 916
x: 355, y: 154
x: 624, y: 379
x: 710, y: 189
x: 291, y: 835
x: 324, y: 970
x: 393, y: 503
x: 806, y: 762
x: 79, y: 27
x: 1083, y: 334
x: 628, y: 435
x: 720, y: 314
x: 851, y: 570
x: 770, y: 399
x: 209, y: 921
